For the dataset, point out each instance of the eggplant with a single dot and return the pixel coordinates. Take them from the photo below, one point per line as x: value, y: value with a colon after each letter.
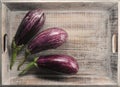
x: 48, y: 39
x: 60, y: 63
x: 30, y: 25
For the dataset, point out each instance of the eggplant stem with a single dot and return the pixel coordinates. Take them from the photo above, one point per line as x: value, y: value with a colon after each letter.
x: 29, y: 66
x: 27, y: 53
x: 14, y: 55
x: 15, y: 50
x: 22, y: 62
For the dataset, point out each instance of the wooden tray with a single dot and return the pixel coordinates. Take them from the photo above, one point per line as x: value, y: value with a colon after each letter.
x: 92, y: 27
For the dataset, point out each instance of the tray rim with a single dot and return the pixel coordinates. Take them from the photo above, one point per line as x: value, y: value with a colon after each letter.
x: 34, y: 1
x: 26, y: 1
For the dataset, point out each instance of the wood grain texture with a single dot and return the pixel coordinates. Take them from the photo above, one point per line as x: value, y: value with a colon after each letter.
x: 89, y: 42
x: 114, y: 30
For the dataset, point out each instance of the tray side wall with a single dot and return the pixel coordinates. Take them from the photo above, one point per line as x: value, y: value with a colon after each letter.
x: 113, y: 17
x: 26, y: 1
x: 5, y: 54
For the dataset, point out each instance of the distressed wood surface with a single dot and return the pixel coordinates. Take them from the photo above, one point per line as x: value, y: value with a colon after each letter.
x: 26, y: 1
x: 114, y: 30
x: 89, y: 42
x: 5, y: 54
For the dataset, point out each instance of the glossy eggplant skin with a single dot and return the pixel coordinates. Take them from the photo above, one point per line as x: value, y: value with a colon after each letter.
x: 48, y: 39
x: 60, y: 63
x: 30, y: 25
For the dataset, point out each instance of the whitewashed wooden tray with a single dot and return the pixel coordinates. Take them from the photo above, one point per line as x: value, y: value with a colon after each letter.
x: 91, y: 26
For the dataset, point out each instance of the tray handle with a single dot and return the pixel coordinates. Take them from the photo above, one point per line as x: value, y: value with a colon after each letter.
x: 114, y: 43
x: 5, y: 43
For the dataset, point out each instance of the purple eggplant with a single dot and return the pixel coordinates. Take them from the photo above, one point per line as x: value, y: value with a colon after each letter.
x: 47, y: 39
x: 60, y: 63
x: 30, y: 25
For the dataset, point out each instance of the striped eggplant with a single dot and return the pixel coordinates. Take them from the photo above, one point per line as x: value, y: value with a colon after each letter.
x: 30, y: 25
x: 60, y: 63
x: 47, y: 39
